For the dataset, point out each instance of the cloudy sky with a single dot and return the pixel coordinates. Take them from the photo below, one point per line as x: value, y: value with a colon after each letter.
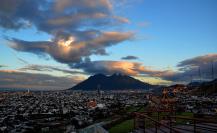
x: 57, y: 43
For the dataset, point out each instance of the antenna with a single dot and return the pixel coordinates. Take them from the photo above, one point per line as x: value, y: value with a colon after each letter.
x: 191, y: 78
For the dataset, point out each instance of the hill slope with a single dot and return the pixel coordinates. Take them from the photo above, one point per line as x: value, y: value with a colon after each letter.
x: 207, y: 88
x: 113, y: 82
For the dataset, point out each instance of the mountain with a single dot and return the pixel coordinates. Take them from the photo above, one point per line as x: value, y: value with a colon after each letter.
x: 113, y: 82
x: 207, y: 88
x: 194, y: 84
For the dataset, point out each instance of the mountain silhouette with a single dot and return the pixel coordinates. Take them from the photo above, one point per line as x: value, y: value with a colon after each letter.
x: 207, y: 88
x: 114, y: 82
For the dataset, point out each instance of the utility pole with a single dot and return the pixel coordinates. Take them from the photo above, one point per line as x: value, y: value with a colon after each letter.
x: 98, y: 90
x: 213, y: 75
x: 212, y: 70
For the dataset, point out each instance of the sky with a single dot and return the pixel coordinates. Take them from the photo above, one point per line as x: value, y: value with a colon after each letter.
x: 55, y: 44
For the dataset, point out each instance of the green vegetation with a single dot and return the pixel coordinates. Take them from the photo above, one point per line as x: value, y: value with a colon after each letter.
x: 127, y: 126
x: 187, y: 114
x: 142, y: 109
x: 135, y: 108
x: 184, y: 114
x: 130, y: 109
x: 123, y: 127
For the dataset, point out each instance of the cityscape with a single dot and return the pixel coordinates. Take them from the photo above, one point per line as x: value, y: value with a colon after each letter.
x: 108, y: 66
x: 104, y: 111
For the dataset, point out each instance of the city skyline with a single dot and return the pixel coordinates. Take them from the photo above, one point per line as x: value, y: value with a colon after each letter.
x: 56, y: 44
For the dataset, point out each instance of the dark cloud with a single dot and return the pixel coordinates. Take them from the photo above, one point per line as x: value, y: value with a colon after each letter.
x: 65, y: 48
x: 198, y: 68
x: 43, y: 68
x: 51, y: 16
x: 16, y: 14
x: 198, y: 61
x: 39, y: 47
x: 129, y: 57
x: 78, y: 28
x: 75, y: 26
x: 110, y: 67
x: 2, y: 66
x: 15, y: 79
x: 191, y: 69
x: 174, y: 76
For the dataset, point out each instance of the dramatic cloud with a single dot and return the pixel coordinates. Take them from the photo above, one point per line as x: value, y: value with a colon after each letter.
x: 198, y: 61
x: 51, y: 16
x: 67, y: 49
x: 129, y: 57
x: 15, y: 79
x: 110, y: 67
x: 78, y: 28
x: 198, y: 68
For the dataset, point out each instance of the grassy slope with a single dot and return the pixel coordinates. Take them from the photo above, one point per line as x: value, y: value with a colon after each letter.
x: 123, y: 127
x: 127, y: 126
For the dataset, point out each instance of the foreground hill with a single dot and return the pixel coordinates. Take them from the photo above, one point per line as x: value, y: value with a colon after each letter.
x: 207, y: 88
x: 113, y: 82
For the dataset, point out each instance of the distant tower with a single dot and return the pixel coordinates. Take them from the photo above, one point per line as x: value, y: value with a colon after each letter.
x: 98, y: 89
x: 191, y: 78
x: 148, y: 86
x: 213, y: 75
x: 42, y: 93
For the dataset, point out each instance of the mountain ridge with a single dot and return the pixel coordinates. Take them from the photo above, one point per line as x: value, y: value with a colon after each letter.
x: 116, y: 81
